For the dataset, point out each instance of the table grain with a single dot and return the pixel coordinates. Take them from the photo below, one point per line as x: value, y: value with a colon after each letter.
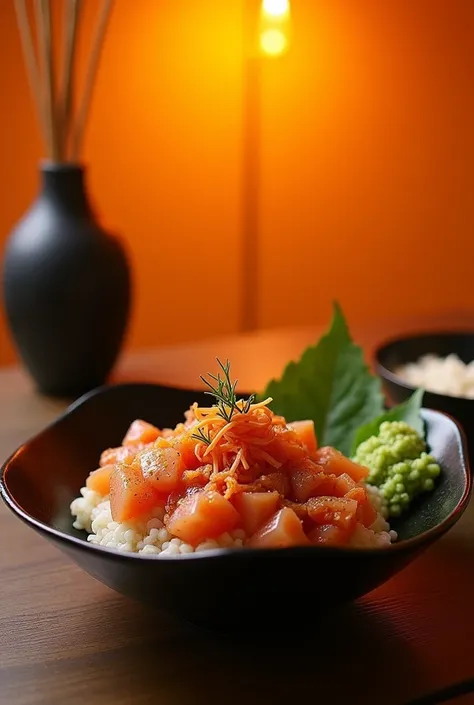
x: 66, y: 639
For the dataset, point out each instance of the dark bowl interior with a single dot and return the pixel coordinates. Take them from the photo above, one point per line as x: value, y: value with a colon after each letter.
x: 398, y: 352
x: 219, y: 589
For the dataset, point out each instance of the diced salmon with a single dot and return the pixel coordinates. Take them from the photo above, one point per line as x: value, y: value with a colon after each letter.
x: 275, y: 481
x: 130, y: 494
x: 306, y: 434
x: 366, y: 514
x: 299, y: 509
x: 185, y: 444
x: 162, y: 442
x: 282, y: 530
x: 333, y: 510
x: 286, y: 445
x: 99, y: 480
x: 161, y: 466
x: 309, y: 480
x: 122, y: 454
x: 140, y: 432
x: 343, y: 484
x: 329, y: 535
x: 335, y: 463
x: 358, y: 493
x: 205, y: 514
x: 255, y: 508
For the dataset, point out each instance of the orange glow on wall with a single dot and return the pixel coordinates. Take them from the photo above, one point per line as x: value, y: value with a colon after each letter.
x: 366, y: 161
x: 275, y: 27
x: 276, y: 8
x: 273, y: 41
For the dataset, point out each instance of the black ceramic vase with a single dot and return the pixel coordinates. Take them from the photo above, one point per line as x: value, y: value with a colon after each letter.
x: 66, y: 287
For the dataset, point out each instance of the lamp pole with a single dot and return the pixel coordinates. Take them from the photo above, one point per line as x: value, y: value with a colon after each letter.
x: 265, y: 29
x: 251, y: 168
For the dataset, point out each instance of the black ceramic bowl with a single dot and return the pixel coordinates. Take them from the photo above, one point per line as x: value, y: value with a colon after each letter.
x: 394, y: 353
x: 221, y: 588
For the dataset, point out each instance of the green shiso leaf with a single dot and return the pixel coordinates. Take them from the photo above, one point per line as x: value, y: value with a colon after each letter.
x: 409, y: 412
x: 332, y: 385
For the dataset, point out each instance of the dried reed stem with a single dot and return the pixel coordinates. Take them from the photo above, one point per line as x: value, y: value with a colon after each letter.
x: 45, y: 50
x: 65, y: 104
x: 31, y: 64
x: 91, y: 74
x: 63, y: 132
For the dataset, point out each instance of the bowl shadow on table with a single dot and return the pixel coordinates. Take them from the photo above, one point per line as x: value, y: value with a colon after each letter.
x: 191, y: 665
x: 171, y: 662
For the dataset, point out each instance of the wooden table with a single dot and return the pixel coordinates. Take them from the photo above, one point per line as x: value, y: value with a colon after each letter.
x: 67, y: 639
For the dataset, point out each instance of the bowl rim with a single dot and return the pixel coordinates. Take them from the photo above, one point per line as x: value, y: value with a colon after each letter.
x: 391, y: 376
x: 418, y: 541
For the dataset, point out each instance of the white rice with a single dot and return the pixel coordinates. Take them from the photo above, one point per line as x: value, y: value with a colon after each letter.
x: 444, y: 375
x: 379, y: 533
x: 149, y: 535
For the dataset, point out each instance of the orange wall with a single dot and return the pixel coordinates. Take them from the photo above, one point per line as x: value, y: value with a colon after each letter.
x: 368, y: 162
x: 367, y: 152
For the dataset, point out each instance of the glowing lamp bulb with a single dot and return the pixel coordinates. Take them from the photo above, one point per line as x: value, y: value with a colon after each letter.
x: 273, y: 42
x: 276, y: 8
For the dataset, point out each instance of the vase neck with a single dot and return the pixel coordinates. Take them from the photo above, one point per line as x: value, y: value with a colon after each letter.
x: 64, y: 185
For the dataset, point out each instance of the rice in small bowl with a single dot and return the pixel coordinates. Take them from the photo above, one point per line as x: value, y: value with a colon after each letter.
x: 445, y: 371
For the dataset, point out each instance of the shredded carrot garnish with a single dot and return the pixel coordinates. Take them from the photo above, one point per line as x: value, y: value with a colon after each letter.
x: 233, y: 442
x: 236, y: 462
x: 270, y: 460
x: 237, y: 440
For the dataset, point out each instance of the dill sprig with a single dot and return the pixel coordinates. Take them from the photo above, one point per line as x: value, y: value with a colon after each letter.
x: 224, y: 393
x: 202, y: 436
